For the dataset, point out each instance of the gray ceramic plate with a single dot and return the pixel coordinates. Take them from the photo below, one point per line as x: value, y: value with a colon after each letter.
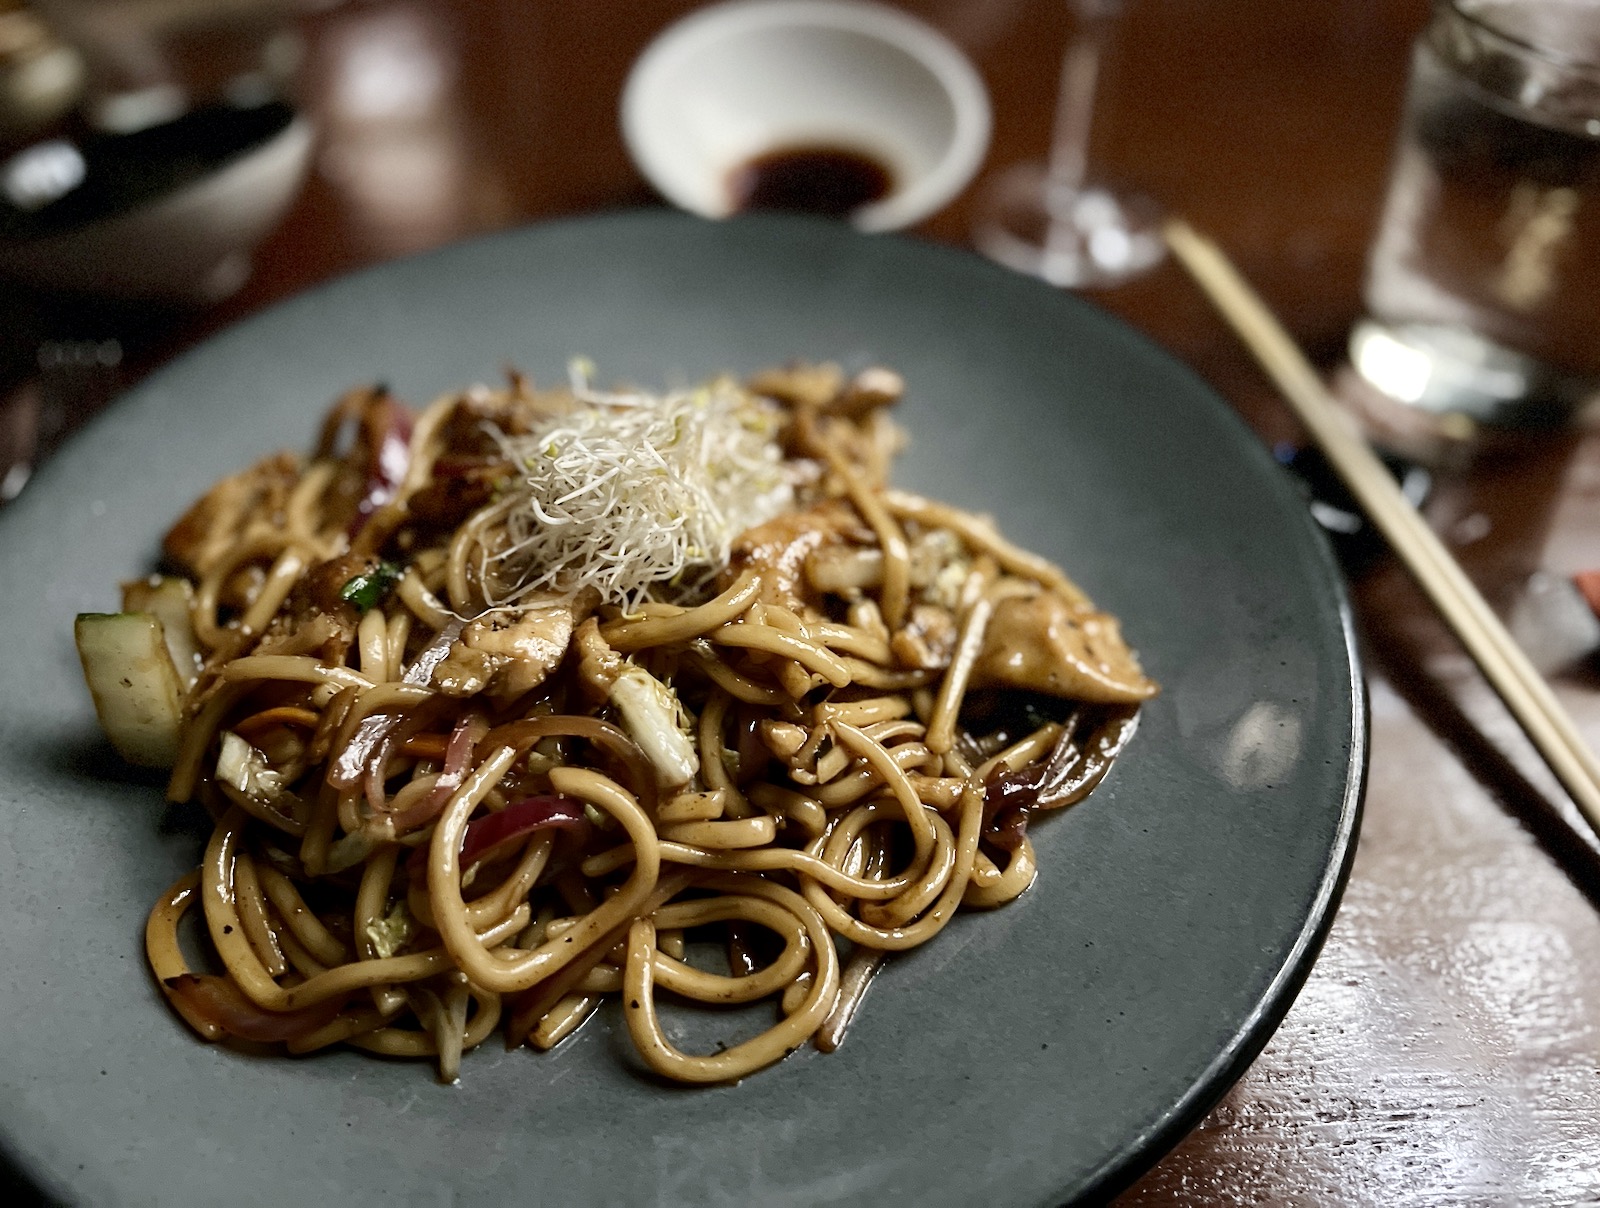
x: 1046, y: 1051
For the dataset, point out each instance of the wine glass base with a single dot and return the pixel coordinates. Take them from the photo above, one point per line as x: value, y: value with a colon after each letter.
x: 1084, y: 237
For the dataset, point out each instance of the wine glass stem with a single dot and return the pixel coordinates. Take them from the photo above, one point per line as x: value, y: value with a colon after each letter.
x: 1080, y: 73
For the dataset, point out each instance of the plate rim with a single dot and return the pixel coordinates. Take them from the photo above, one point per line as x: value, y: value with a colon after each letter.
x: 1144, y: 1150
x: 1149, y: 1149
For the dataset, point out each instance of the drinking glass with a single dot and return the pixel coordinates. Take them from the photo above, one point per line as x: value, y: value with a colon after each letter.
x: 1483, y: 283
x: 1051, y: 219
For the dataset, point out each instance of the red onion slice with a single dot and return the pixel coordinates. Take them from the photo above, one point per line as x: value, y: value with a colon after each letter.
x: 218, y: 1001
x: 356, y: 761
x: 517, y: 821
x: 389, y: 461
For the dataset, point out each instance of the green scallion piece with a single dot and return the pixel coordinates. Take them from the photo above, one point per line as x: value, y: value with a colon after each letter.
x: 365, y: 592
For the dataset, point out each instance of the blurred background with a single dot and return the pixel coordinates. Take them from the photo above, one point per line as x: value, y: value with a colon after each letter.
x: 242, y: 150
x: 170, y: 166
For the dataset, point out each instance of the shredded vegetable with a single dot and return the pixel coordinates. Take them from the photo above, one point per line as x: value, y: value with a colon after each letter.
x: 636, y: 493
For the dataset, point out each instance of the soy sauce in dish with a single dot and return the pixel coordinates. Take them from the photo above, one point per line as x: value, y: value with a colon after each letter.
x: 820, y: 180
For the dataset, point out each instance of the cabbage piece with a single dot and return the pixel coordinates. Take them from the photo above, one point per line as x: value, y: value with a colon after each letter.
x: 138, y: 693
x: 169, y: 599
x: 655, y: 719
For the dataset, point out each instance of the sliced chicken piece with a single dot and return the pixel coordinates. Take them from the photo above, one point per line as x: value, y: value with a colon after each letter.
x: 800, y: 384
x: 1040, y: 644
x: 778, y: 549
x: 210, y: 529
x: 928, y: 639
x: 527, y: 645
x: 824, y: 386
x: 464, y: 671
x: 598, y: 664
x: 939, y: 566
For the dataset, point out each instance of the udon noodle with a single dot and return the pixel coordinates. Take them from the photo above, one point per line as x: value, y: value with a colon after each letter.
x: 479, y: 759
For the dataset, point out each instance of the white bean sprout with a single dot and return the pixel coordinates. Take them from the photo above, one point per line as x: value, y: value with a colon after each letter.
x: 639, y: 495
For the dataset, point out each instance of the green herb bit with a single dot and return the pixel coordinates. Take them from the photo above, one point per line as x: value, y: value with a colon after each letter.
x: 366, y: 592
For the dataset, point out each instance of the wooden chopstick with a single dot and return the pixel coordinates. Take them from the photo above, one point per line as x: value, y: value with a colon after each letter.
x: 1523, y: 689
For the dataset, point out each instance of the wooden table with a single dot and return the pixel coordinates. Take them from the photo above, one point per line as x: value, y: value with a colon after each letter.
x: 1447, y: 1047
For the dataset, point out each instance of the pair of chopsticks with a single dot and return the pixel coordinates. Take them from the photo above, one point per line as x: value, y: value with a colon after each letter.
x: 1523, y: 689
